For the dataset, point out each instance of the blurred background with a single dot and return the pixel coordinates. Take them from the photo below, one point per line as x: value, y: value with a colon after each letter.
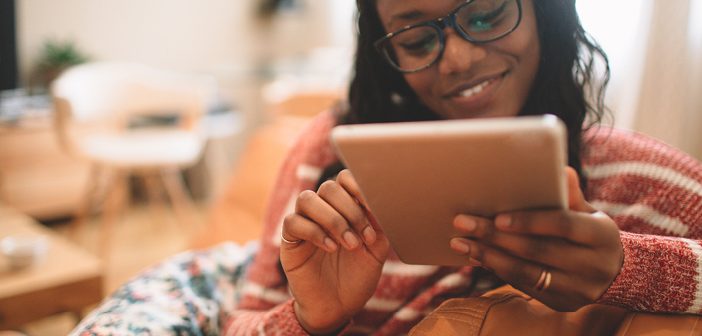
x: 112, y: 193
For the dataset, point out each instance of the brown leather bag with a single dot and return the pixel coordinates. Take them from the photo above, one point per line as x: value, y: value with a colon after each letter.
x: 507, y: 311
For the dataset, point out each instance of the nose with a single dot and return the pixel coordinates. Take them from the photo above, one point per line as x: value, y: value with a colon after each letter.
x: 459, y: 54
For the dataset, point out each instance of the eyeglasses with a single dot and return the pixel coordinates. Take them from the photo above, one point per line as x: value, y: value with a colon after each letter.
x: 417, y: 47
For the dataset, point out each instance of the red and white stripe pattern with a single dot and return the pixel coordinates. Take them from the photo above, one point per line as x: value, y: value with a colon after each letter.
x: 655, y: 191
x: 651, y: 190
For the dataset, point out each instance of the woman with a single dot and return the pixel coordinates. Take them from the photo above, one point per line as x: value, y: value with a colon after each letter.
x: 448, y: 59
x: 486, y: 59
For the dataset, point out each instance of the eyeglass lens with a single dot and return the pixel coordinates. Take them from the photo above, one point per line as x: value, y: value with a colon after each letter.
x: 479, y: 20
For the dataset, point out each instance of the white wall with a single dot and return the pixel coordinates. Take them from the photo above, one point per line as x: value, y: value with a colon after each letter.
x: 655, y: 52
x: 184, y: 34
x: 202, y: 35
x: 625, y: 46
x: 219, y: 37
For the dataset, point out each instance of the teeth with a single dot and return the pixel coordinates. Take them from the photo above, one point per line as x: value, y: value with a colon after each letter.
x: 474, y: 90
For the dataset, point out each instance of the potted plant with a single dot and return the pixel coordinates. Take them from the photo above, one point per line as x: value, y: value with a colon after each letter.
x: 55, y: 57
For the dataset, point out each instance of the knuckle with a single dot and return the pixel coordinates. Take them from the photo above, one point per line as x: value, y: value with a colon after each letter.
x: 319, y: 239
x: 304, y: 200
x: 523, y: 221
x: 338, y: 224
x: 289, y: 221
x: 476, y: 251
x: 590, y: 296
x: 358, y: 219
x: 530, y: 249
x: 518, y: 221
x: 306, y: 196
x: 484, y: 230
x: 327, y: 187
x: 343, y: 175
x: 518, y: 273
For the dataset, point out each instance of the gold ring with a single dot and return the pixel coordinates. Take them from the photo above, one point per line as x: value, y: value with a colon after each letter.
x: 292, y: 242
x: 544, y: 281
x: 547, y: 282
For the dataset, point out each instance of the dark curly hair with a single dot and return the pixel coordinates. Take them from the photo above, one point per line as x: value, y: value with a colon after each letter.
x: 565, y: 84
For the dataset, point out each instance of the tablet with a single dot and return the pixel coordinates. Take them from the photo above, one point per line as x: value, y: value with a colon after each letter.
x: 417, y: 176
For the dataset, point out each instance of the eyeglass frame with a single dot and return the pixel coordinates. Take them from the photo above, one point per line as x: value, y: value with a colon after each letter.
x: 440, y: 24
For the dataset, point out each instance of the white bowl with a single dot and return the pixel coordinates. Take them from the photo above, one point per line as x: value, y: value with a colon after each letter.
x: 23, y: 250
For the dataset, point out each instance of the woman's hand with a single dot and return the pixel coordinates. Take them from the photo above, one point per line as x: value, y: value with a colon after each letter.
x: 566, y: 259
x: 332, y: 254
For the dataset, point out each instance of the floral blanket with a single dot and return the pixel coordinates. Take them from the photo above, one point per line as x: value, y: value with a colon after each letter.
x: 188, y: 294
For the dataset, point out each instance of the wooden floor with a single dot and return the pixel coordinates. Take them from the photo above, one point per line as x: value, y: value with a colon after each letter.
x: 143, y: 236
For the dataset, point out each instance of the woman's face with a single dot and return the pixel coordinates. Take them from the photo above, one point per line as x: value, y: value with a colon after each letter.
x: 470, y: 80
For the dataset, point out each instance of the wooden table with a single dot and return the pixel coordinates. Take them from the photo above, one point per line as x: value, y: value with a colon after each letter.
x: 37, y: 176
x: 68, y: 280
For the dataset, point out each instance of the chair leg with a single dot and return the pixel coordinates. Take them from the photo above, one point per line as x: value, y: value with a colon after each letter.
x: 86, y: 206
x: 155, y: 199
x: 117, y: 198
x: 182, y: 203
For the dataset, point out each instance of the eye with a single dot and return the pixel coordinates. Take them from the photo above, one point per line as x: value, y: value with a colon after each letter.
x: 417, y: 41
x: 422, y: 45
x: 480, y: 19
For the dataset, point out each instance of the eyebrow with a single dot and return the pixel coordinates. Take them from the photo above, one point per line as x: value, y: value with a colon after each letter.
x: 413, y: 15
x: 406, y: 16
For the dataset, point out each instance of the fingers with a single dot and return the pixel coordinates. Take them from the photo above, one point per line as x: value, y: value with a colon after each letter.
x: 311, y: 206
x: 562, y: 290
x: 544, y: 237
x: 517, y: 272
x: 542, y: 250
x: 474, y: 226
x: 300, y: 230
x: 339, y: 198
x: 577, y: 227
x: 346, y: 180
x: 337, y: 210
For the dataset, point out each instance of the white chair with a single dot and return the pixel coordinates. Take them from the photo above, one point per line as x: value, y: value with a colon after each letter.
x: 96, y: 106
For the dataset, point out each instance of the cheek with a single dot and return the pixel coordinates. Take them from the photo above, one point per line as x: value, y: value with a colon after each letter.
x: 527, y: 44
x: 420, y: 83
x: 528, y: 51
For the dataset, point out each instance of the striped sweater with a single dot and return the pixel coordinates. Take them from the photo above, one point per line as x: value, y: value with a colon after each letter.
x: 652, y: 191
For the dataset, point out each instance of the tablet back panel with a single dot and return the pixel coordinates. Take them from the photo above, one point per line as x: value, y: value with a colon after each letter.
x: 416, y: 177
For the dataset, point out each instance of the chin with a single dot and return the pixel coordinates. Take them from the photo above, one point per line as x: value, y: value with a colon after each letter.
x: 457, y: 114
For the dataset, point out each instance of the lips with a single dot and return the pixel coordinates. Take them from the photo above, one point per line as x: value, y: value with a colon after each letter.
x: 470, y: 99
x: 473, y: 90
x: 474, y: 87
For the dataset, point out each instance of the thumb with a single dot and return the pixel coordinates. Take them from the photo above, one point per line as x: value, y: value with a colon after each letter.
x: 576, y: 199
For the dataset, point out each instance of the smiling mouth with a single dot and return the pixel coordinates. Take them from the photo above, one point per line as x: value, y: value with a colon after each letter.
x: 474, y: 97
x: 471, y: 91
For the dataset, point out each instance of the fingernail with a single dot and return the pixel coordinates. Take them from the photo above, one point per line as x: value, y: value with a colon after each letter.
x: 460, y: 245
x: 466, y: 223
x: 503, y: 221
x: 369, y: 235
x: 351, y: 240
x: 330, y: 244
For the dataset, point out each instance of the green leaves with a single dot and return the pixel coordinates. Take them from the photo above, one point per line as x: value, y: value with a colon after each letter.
x: 59, y: 55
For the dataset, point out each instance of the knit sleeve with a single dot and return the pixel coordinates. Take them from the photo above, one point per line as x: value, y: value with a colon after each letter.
x: 654, y: 194
x: 265, y: 306
x: 659, y: 274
